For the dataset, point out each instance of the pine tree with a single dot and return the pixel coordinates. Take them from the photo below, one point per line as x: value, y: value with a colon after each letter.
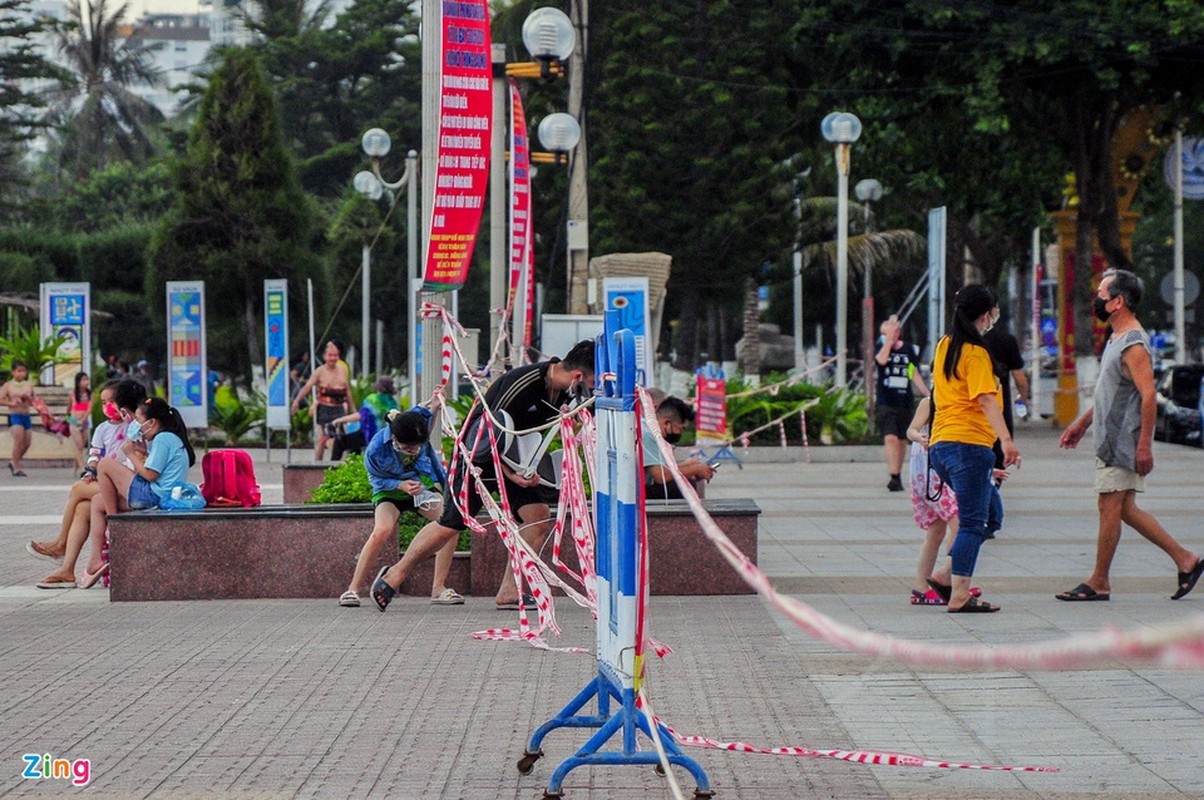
x: 239, y: 215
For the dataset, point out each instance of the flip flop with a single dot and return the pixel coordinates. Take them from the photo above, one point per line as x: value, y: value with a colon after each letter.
x: 528, y: 602
x: 1188, y: 580
x: 382, y: 592
x: 974, y: 606
x: 55, y: 582
x: 90, y: 578
x: 1083, y: 594
x: 928, y: 598
x: 448, y: 597
x: 945, y: 592
x: 37, y: 551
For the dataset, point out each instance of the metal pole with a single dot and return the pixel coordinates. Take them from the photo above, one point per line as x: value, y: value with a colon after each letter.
x: 867, y: 329
x: 365, y: 290
x: 497, y: 198
x: 380, y: 346
x: 800, y: 355
x: 431, y: 94
x: 577, y: 235
x: 412, y: 238
x: 1180, y: 311
x: 1034, y: 385
x: 842, y: 263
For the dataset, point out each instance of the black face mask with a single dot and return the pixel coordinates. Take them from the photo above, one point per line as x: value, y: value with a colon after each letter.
x: 1098, y: 306
x: 673, y: 438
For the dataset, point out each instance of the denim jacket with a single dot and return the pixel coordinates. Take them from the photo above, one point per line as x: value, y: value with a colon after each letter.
x: 386, y: 472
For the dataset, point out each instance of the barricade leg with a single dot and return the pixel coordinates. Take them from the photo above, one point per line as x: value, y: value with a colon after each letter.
x: 628, y: 720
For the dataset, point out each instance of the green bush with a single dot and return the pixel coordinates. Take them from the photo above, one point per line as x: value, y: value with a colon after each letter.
x: 838, y: 418
x: 348, y: 483
x: 235, y: 416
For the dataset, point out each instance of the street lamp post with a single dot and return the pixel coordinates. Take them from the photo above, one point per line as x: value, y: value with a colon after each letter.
x: 800, y: 353
x: 376, y: 144
x: 868, y: 191
x: 842, y: 129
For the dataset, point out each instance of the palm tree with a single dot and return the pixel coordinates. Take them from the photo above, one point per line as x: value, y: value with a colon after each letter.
x: 102, y: 119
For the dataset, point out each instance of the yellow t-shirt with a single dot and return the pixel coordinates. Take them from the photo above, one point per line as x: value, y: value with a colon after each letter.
x: 959, y: 417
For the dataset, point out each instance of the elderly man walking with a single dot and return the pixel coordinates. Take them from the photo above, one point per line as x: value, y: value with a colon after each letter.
x: 1124, y: 430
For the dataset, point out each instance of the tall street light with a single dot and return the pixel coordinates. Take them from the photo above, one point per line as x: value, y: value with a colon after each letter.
x: 376, y: 144
x: 549, y: 38
x: 842, y: 129
x: 868, y: 191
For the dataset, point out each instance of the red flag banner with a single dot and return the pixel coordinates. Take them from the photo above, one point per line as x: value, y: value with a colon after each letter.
x: 465, y: 125
x: 711, y: 422
x: 522, y: 255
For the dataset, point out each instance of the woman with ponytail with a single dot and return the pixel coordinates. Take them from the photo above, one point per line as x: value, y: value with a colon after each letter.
x: 157, y: 445
x: 968, y: 418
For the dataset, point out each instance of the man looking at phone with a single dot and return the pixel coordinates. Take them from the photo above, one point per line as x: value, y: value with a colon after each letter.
x: 672, y: 416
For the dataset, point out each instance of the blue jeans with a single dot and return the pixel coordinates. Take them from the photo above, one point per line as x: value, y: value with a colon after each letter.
x: 966, y: 468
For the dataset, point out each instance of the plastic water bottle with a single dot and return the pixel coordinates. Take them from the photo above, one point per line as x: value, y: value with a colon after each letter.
x: 1021, y: 409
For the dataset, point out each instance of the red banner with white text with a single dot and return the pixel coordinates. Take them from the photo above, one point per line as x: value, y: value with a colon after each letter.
x: 711, y: 421
x: 522, y: 254
x: 463, y: 142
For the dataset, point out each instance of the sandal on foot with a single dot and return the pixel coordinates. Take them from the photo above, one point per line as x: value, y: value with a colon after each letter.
x: 945, y: 592
x: 974, y: 606
x: 38, y: 551
x: 1188, y: 580
x: 90, y: 578
x: 56, y: 582
x: 349, y: 599
x: 928, y: 598
x: 527, y: 603
x: 382, y: 592
x: 1083, y: 594
x: 448, y: 597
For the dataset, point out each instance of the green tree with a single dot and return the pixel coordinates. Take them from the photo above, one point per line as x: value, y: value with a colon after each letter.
x: 21, y: 106
x: 238, y: 215
x: 689, y: 153
x: 103, y: 119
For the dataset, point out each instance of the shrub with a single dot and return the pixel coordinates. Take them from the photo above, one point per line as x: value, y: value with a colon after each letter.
x: 348, y: 483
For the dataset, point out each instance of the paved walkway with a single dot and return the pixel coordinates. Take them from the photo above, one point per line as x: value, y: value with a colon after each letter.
x: 305, y: 699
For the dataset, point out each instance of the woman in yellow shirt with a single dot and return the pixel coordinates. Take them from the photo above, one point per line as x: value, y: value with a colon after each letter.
x: 968, y: 418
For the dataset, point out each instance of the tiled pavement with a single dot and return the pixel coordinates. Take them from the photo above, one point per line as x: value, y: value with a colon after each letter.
x: 305, y: 699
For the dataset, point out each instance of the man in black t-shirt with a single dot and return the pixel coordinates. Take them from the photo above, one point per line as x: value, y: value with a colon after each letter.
x: 898, y: 372
x: 1007, y: 364
x: 532, y: 395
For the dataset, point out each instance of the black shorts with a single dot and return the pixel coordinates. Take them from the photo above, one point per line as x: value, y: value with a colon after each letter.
x: 893, y: 420
x: 326, y: 414
x: 518, y: 496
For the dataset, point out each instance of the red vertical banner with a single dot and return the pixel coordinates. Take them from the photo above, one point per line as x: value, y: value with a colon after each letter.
x: 711, y: 421
x: 522, y: 254
x: 463, y: 142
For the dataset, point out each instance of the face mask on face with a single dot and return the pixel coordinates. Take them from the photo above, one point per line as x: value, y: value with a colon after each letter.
x: 1099, y: 306
x: 111, y: 411
x: 673, y: 438
x: 134, y: 432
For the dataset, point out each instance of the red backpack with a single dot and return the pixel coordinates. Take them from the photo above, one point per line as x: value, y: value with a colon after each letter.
x: 229, y: 479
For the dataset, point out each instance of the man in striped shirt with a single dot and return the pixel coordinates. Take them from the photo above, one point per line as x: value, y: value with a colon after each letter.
x: 532, y: 395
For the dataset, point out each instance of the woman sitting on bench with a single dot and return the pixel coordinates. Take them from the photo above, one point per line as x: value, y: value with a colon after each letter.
x: 157, y: 444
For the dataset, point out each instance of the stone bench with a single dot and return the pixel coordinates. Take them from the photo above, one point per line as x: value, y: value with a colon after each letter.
x: 680, y: 560
x: 300, y: 480
x: 242, y: 553
x: 309, y: 551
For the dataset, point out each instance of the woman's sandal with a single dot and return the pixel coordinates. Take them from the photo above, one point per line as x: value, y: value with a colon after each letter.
x: 382, y: 592
x: 928, y: 598
x: 974, y: 606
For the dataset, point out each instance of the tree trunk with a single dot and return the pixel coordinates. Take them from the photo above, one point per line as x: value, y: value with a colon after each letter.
x: 687, y: 330
x: 751, y: 352
x: 250, y: 326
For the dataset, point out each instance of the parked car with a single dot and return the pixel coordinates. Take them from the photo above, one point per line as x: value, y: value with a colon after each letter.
x: 1179, y: 404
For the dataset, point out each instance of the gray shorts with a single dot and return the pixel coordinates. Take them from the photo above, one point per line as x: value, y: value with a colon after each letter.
x: 1110, y: 478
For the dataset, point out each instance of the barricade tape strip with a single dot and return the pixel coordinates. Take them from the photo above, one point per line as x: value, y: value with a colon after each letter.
x: 1180, y: 645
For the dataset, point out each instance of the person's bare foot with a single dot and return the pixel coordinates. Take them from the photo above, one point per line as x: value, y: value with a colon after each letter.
x: 39, y: 550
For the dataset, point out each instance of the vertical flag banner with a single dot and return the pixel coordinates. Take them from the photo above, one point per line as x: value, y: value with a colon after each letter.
x: 465, y: 129
x: 186, y: 351
x: 522, y: 255
x: 711, y: 422
x: 275, y: 345
x: 66, y: 310
x: 629, y: 297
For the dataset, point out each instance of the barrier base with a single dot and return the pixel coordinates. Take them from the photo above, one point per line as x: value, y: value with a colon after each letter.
x: 628, y: 719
